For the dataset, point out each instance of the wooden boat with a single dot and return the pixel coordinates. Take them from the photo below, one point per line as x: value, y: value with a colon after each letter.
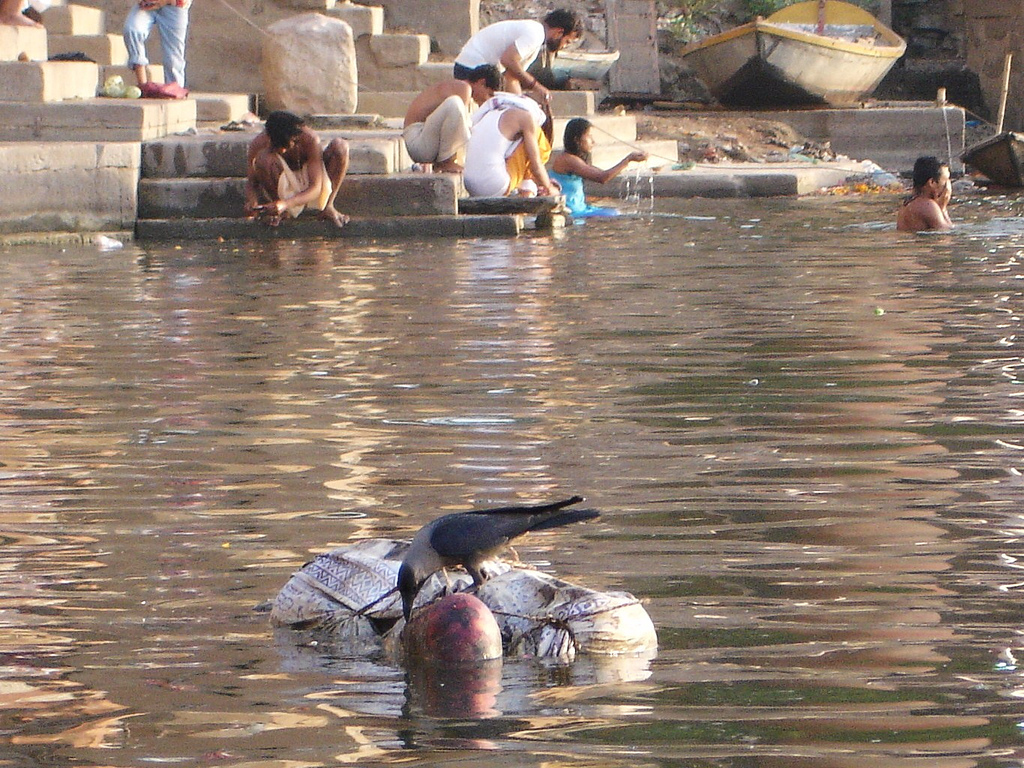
x: 582, y: 64
x: 1000, y: 158
x: 816, y: 52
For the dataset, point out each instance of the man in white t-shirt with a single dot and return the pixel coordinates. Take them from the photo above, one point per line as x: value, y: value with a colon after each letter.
x: 513, y: 45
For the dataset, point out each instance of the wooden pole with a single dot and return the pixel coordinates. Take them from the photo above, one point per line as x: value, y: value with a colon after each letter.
x: 1004, y: 93
x: 821, y: 17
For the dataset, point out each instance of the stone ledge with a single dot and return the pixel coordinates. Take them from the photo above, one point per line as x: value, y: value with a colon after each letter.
x: 105, y: 120
x: 224, y: 154
x: 400, y: 195
x: 737, y: 180
x: 37, y: 82
x: 401, y: 227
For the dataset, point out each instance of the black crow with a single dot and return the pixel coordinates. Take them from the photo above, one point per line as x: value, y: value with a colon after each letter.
x: 470, y: 538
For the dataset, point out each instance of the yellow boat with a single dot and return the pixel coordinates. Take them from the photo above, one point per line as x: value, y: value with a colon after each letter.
x: 816, y: 52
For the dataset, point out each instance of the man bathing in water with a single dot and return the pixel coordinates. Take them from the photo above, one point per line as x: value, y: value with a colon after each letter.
x: 288, y: 171
x: 926, y: 209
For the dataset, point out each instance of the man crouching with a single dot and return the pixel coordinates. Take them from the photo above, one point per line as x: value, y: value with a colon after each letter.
x: 288, y: 171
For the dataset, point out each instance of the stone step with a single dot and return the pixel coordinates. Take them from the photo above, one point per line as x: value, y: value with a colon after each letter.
x: 15, y: 41
x: 402, y: 78
x: 396, y: 50
x: 36, y: 82
x: 74, y: 20
x: 364, y: 19
x: 103, y: 49
x: 96, y: 119
x: 221, y: 107
x: 608, y: 129
x: 416, y: 227
x: 224, y: 154
x: 390, y: 104
x: 412, y: 194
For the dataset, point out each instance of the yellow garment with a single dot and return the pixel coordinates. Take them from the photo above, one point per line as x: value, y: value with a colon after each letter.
x: 292, y: 183
x: 518, y: 164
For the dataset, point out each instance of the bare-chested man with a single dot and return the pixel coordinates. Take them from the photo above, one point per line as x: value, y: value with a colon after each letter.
x: 10, y: 14
x: 926, y: 209
x: 288, y: 170
x: 437, y: 122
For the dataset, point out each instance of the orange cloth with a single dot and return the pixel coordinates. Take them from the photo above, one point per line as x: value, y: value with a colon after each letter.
x: 518, y: 164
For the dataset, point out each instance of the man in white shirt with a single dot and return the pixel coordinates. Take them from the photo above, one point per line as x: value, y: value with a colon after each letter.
x: 513, y: 46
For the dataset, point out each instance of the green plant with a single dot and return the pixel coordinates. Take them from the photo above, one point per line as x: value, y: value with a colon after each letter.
x: 684, y: 18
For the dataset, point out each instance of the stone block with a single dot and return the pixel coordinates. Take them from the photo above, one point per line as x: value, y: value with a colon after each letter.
x: 43, y: 81
x: 69, y: 186
x: 413, y: 227
x: 103, y: 49
x: 375, y: 78
x: 116, y: 120
x: 400, y: 50
x: 220, y: 107
x: 205, y: 156
x: 386, y: 103
x: 364, y: 19
x: 608, y: 129
x: 572, y: 103
x: 414, y: 194
x: 15, y: 41
x: 74, y: 20
x: 309, y: 65
x: 449, y: 23
x: 664, y: 152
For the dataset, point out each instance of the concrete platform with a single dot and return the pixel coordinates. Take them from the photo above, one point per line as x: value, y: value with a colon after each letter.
x: 892, y: 134
x: 397, y: 195
x: 729, y: 180
x: 224, y: 154
x: 97, y: 119
x: 69, y: 186
x: 37, y: 82
x: 407, y: 227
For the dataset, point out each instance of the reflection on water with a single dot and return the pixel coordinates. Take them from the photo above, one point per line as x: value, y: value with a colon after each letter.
x: 803, y: 430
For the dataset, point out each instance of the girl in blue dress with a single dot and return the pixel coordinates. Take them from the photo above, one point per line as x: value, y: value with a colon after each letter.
x: 572, y: 166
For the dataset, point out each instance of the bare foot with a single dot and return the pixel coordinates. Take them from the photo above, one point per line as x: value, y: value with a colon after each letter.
x: 19, y: 20
x: 338, y: 219
x: 449, y: 166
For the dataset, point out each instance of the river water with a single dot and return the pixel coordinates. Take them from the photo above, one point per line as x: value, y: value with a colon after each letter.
x: 803, y: 430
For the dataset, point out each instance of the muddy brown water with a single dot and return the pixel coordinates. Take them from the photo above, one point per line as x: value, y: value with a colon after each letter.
x: 804, y: 431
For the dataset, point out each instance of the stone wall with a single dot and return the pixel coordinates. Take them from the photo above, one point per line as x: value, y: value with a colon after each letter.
x: 225, y: 36
x: 991, y: 29
x: 72, y: 187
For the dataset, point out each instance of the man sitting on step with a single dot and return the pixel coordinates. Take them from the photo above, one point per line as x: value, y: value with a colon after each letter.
x: 288, y: 170
x: 437, y: 122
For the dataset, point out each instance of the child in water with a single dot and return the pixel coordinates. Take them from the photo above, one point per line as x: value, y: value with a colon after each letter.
x: 572, y: 166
